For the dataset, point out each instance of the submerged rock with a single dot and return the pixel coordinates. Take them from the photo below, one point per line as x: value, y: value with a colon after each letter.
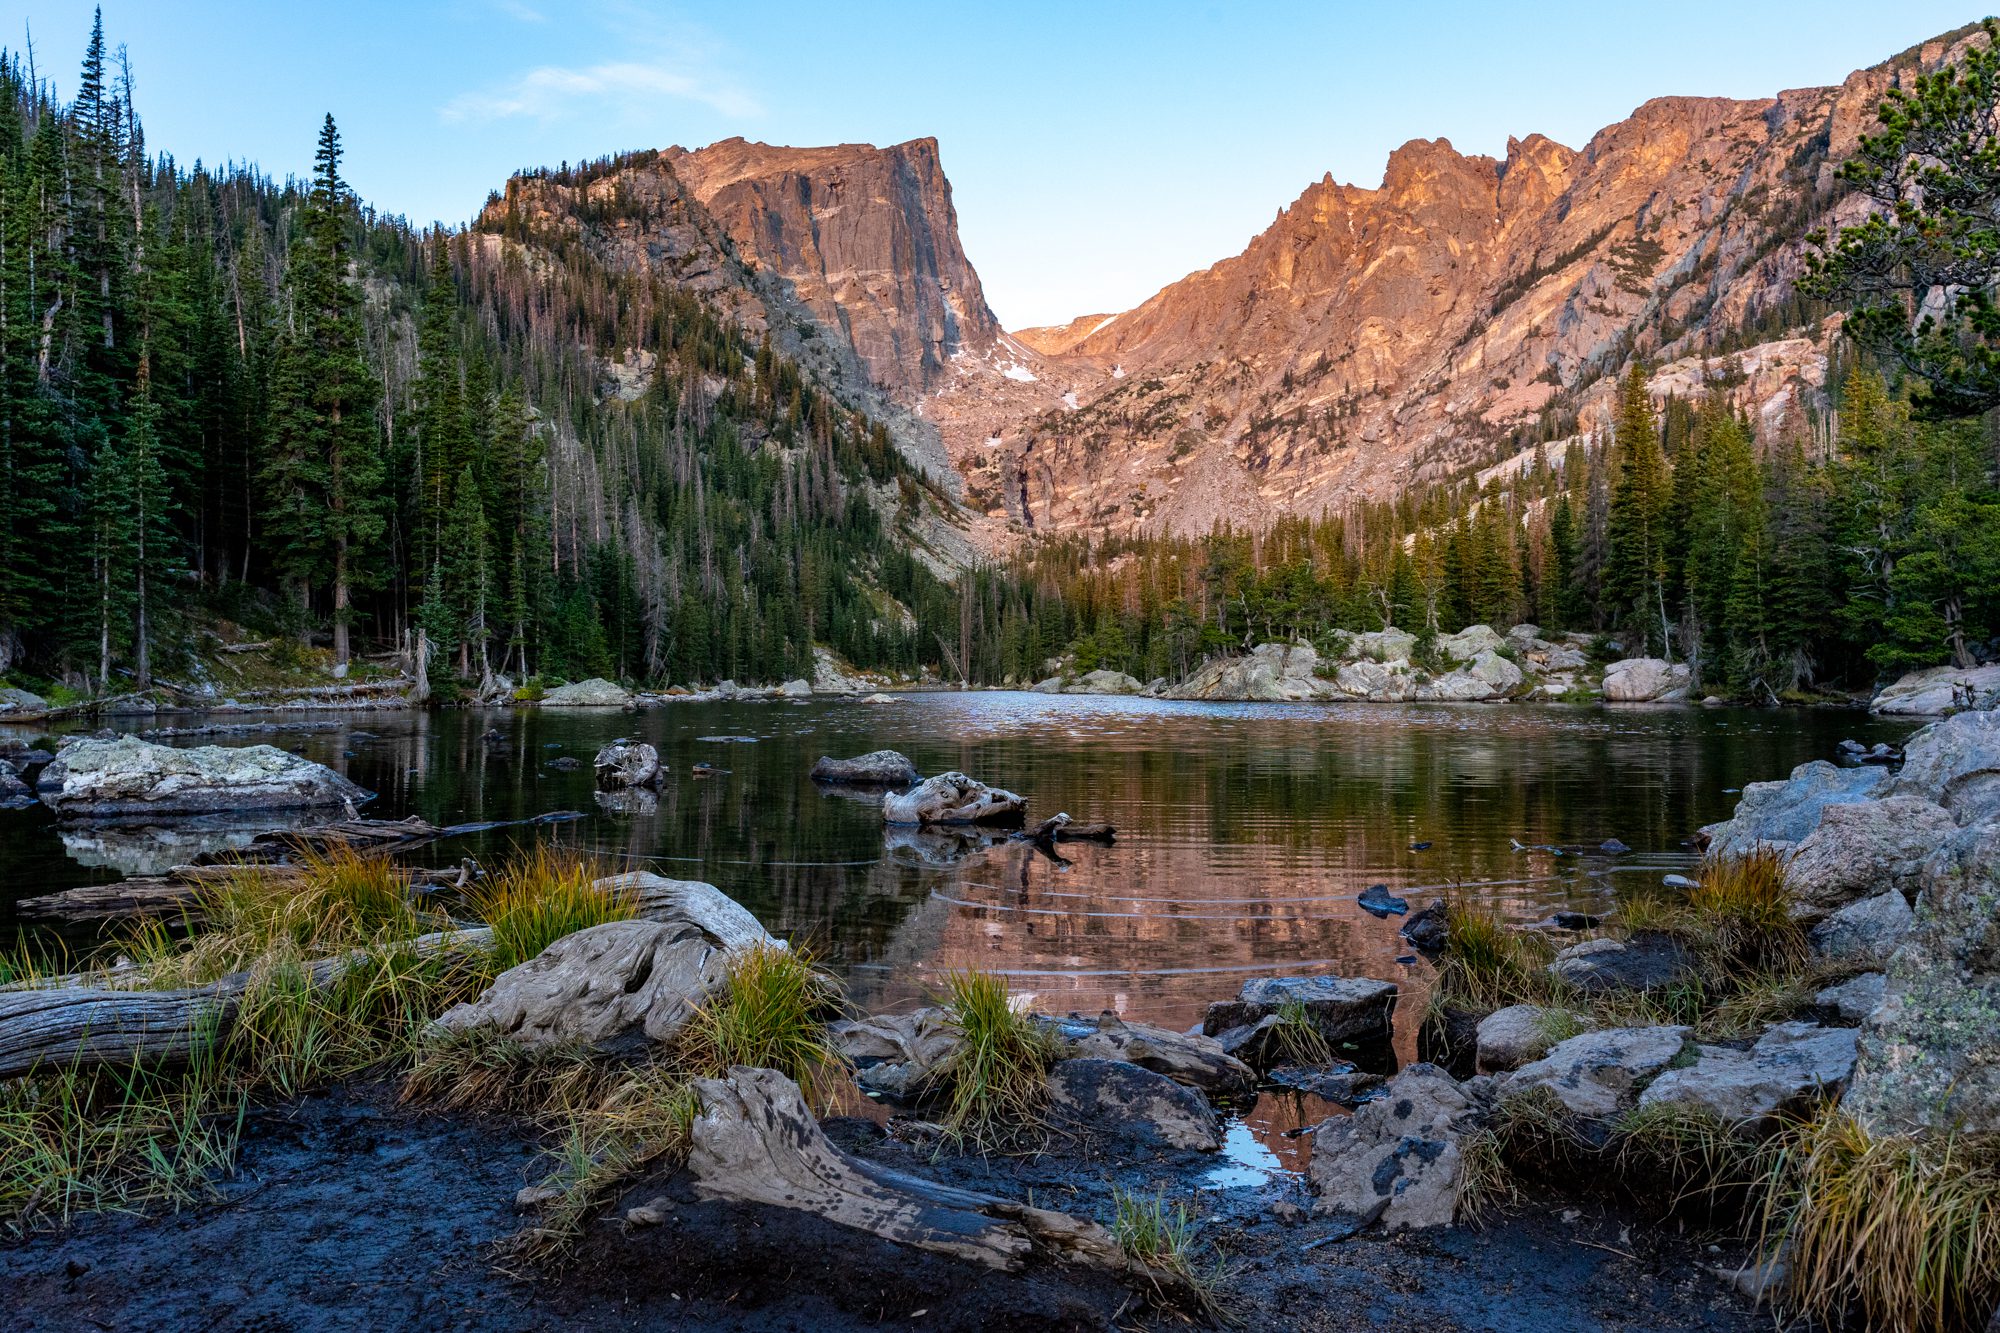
x: 1190, y: 1058
x: 1342, y: 1084
x: 1127, y: 1105
x: 1784, y: 814
x: 1864, y: 848
x: 1930, y: 1054
x: 1791, y: 1065
x: 593, y: 693
x: 1399, y: 1157
x: 1429, y: 930
x: 953, y: 798
x: 1600, y: 1074
x: 624, y: 764
x: 1377, y: 901
x: 128, y: 778
x: 877, y: 768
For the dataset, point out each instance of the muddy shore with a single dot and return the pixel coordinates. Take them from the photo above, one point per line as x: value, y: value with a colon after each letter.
x: 349, y: 1211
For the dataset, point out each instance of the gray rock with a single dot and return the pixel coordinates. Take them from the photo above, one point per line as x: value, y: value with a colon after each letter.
x: 1784, y: 814
x: 1196, y: 1060
x: 1381, y: 682
x: 877, y: 768
x: 1471, y: 643
x: 626, y: 764
x: 1499, y: 673
x: 14, y: 700
x: 953, y: 798
x: 1792, y: 1065
x: 1271, y: 671
x: 1599, y: 1075
x: 611, y: 986
x: 1340, y: 1008
x: 593, y: 693
x: 1511, y: 1037
x: 1956, y: 763
x: 14, y: 793
x: 1930, y: 1054
x: 1864, y: 848
x: 1935, y: 691
x: 1647, y: 961
x: 795, y: 689
x: 1386, y: 645
x: 131, y: 779
x: 1053, y: 685
x: 691, y: 901
x: 1865, y: 933
x: 1124, y: 1104
x: 1853, y: 1000
x: 1400, y: 1156
x: 1343, y: 1085
x: 1104, y: 682
x: 895, y: 1054
x: 1637, y: 680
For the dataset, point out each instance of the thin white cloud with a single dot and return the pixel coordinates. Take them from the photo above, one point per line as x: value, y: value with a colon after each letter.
x: 621, y: 87
x: 521, y: 10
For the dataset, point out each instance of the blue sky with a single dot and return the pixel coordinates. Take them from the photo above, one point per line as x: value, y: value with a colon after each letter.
x: 1097, y: 151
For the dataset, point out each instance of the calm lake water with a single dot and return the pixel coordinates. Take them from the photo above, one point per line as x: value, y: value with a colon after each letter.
x: 1244, y: 830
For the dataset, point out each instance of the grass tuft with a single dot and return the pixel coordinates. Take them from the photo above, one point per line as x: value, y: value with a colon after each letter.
x: 997, y: 1077
x: 773, y: 1017
x: 541, y: 896
x: 1162, y: 1237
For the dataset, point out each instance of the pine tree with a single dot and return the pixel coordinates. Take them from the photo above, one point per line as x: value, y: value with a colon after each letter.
x: 1635, y: 572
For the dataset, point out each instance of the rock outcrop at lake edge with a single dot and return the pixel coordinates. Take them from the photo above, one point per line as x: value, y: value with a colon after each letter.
x: 130, y: 779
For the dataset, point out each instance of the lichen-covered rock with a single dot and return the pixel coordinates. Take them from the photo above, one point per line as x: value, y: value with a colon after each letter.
x: 1511, y: 1037
x: 1124, y: 1104
x: 627, y: 764
x: 1854, y: 999
x: 1384, y: 645
x: 1935, y: 691
x: 1273, y: 672
x: 1784, y: 814
x: 1339, y: 1008
x: 1470, y: 643
x: 1649, y: 960
x: 1400, y: 1156
x: 694, y: 901
x: 1864, y: 848
x: 1956, y: 763
x: 1637, y: 680
x: 593, y: 693
x: 15, y: 700
x: 131, y: 779
x: 877, y: 768
x: 1600, y: 1074
x: 953, y: 798
x: 1790, y: 1066
x: 1378, y: 682
x: 1930, y: 1054
x: 1865, y: 933
x: 1104, y: 682
x: 796, y: 689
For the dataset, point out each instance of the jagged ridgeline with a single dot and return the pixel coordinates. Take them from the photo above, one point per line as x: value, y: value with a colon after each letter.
x: 226, y: 398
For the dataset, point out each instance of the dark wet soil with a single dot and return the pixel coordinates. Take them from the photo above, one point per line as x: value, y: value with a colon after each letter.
x: 348, y: 1211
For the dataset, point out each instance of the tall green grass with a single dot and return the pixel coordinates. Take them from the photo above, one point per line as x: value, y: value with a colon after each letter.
x: 540, y: 897
x: 994, y: 1081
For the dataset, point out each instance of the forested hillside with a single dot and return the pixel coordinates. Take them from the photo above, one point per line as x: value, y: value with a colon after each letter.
x: 226, y: 397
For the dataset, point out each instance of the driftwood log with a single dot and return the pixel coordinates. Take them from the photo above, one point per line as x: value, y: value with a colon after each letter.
x: 178, y: 893
x: 755, y: 1141
x: 87, y: 1023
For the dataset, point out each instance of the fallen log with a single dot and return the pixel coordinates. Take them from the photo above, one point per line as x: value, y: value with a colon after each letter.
x: 1061, y: 828
x: 68, y: 1023
x: 178, y: 892
x: 755, y: 1141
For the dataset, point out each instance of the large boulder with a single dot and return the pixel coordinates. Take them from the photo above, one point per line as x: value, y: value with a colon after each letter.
x: 1340, y: 1009
x: 1956, y: 763
x: 1784, y: 814
x: 1936, y: 691
x: 1470, y: 643
x: 622, y: 765
x: 14, y: 700
x: 1790, y: 1066
x: 796, y: 689
x: 1378, y: 682
x: 1511, y: 1037
x: 1599, y: 1075
x: 613, y: 986
x: 1273, y: 672
x: 1383, y: 645
x: 131, y: 779
x: 1400, y: 1156
x: 692, y: 901
x: 1128, y: 1106
x: 1865, y: 933
x: 1930, y: 1054
x: 877, y: 768
x: 895, y: 1054
x: 953, y: 798
x: 1104, y: 682
x: 1864, y: 848
x: 1638, y: 680
x: 593, y: 693
x: 1185, y: 1057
